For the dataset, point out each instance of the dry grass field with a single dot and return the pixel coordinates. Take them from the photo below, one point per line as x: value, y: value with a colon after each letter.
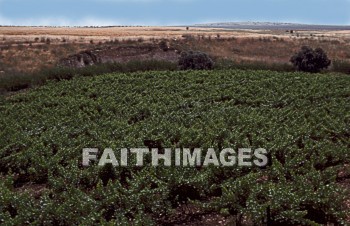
x: 105, y: 33
x: 27, y: 49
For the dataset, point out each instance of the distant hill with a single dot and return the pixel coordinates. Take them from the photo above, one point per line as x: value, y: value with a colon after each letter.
x: 272, y: 26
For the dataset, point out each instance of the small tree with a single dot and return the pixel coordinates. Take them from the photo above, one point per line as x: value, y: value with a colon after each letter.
x: 195, y: 60
x: 310, y: 60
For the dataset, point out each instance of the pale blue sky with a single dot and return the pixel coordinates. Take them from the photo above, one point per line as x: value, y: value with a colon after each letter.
x: 171, y: 12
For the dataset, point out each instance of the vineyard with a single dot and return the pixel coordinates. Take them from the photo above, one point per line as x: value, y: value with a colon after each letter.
x: 302, y: 120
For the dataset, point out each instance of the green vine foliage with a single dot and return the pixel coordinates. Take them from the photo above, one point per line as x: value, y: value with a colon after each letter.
x: 302, y: 120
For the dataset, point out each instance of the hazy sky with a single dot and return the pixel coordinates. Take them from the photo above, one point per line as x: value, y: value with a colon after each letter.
x: 171, y: 12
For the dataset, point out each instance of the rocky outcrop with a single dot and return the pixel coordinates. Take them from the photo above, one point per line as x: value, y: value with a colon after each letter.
x: 81, y: 59
x: 118, y: 55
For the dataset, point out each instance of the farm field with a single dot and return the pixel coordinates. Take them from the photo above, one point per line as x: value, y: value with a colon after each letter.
x: 301, y: 119
x: 105, y: 33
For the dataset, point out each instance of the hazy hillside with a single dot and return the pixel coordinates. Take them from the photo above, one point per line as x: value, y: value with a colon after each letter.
x: 272, y: 26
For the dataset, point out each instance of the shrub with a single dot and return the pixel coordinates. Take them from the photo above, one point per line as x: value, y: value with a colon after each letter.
x: 195, y: 60
x: 163, y: 45
x: 310, y: 60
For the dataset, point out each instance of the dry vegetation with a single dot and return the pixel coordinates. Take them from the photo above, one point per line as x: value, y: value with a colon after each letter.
x: 32, y: 48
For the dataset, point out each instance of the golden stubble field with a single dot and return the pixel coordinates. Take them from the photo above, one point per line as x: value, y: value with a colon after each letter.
x: 122, y: 33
